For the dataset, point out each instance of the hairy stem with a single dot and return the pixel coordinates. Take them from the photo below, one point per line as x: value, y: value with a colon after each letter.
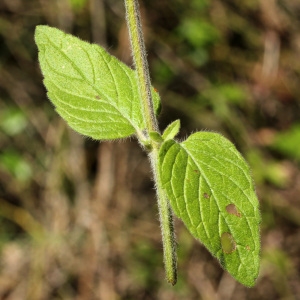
x: 144, y: 84
x: 166, y: 222
x: 140, y: 61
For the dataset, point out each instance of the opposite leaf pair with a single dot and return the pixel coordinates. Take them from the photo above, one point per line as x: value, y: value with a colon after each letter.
x: 206, y: 180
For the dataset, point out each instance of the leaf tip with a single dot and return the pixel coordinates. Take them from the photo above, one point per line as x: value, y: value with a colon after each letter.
x: 39, y: 30
x: 40, y: 35
x: 171, y: 130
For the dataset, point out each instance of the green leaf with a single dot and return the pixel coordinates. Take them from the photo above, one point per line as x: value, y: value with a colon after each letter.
x: 93, y: 91
x: 171, y: 130
x: 210, y: 188
x: 155, y: 137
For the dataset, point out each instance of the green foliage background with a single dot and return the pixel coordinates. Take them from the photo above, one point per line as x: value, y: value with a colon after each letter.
x: 78, y: 218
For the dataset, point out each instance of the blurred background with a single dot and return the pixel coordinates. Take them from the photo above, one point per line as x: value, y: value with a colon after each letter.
x: 78, y: 218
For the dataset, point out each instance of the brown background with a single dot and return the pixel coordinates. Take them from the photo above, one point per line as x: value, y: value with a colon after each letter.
x: 78, y: 218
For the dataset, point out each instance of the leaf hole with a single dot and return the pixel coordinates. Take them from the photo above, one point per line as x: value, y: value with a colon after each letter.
x: 97, y: 97
x: 227, y: 242
x: 206, y: 196
x: 248, y: 247
x: 232, y: 210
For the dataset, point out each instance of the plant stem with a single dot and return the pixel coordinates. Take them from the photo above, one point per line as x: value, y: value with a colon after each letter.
x: 166, y: 223
x: 140, y: 61
x: 144, y: 84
